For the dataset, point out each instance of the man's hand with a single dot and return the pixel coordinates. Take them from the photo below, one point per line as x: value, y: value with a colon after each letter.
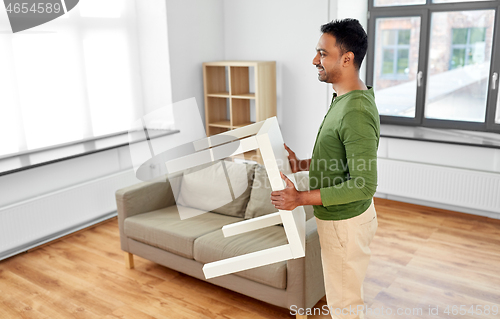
x: 286, y: 199
x: 292, y: 158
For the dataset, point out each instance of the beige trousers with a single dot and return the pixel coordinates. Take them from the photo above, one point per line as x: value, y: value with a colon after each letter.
x: 345, y: 254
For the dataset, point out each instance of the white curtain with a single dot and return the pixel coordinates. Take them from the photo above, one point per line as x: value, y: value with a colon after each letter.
x: 75, y: 77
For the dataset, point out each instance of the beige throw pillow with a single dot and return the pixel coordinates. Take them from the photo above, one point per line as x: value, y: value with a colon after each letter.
x: 260, y: 197
x: 222, y: 187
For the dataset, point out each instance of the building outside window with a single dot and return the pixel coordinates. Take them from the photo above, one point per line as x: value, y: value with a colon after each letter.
x: 467, y: 46
x: 396, y: 50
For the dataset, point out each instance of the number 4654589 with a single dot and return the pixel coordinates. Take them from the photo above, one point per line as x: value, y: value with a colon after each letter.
x: 40, y: 7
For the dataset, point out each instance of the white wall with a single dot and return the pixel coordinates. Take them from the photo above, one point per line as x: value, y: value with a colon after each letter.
x: 195, y: 35
x: 153, y: 47
x: 285, y: 31
x: 355, y: 9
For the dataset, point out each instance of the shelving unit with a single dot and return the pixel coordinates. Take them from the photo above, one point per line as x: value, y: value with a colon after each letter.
x: 234, y: 90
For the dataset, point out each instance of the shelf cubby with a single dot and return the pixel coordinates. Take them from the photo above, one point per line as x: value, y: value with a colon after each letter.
x: 240, y: 81
x: 238, y: 93
x: 240, y: 112
x: 217, y: 110
x: 213, y: 130
x: 216, y: 79
x: 225, y: 124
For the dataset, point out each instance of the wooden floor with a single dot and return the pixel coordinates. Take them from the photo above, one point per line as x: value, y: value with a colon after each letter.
x: 421, y: 257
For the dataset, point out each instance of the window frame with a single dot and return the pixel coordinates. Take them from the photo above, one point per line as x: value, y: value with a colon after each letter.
x: 493, y: 108
x: 425, y: 12
x: 370, y: 62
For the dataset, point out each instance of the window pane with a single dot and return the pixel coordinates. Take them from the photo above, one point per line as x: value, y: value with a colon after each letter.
x: 448, y: 1
x: 389, y: 3
x: 459, y: 65
x: 9, y: 126
x: 50, y: 89
x: 457, y: 58
x: 459, y: 36
x: 396, y: 65
x: 389, y: 37
x: 404, y: 37
x: 388, y: 66
x: 109, y: 80
x: 403, y: 55
x: 477, y: 35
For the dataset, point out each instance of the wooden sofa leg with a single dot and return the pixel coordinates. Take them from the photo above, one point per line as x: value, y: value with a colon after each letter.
x: 300, y: 316
x: 129, y: 260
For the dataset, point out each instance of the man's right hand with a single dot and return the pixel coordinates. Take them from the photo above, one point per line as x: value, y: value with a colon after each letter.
x: 292, y: 158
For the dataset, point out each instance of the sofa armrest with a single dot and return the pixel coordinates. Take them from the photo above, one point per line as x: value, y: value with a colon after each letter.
x: 305, y: 283
x: 142, y: 198
x: 314, y: 282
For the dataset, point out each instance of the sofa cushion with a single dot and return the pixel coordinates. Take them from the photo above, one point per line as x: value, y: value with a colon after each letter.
x: 214, y: 246
x: 163, y: 229
x: 260, y: 196
x: 222, y: 187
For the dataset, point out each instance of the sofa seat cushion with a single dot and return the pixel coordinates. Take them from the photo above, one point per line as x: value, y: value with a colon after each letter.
x: 163, y: 229
x: 214, y: 246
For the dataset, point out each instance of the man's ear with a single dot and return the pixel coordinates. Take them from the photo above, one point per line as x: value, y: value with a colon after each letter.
x: 348, y: 59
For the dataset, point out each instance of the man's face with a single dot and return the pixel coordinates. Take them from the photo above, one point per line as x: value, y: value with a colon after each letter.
x: 327, y: 59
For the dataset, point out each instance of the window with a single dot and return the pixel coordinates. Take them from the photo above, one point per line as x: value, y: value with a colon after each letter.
x: 69, y: 79
x: 396, y: 51
x: 467, y: 46
x: 396, y: 62
x: 433, y: 63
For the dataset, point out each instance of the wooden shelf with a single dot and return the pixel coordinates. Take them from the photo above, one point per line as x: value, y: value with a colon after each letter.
x: 244, y: 96
x: 224, y: 124
x: 243, y: 124
x: 219, y: 94
x: 248, y: 96
x: 237, y: 63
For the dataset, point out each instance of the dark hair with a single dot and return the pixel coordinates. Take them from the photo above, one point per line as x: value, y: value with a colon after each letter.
x: 350, y: 37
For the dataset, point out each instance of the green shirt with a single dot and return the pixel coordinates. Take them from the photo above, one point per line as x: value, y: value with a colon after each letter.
x: 344, y: 160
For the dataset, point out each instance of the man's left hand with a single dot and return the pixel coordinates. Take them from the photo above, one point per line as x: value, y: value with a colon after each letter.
x: 288, y: 198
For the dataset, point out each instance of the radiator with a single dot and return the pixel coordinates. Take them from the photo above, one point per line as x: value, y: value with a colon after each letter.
x: 41, y: 219
x: 445, y: 185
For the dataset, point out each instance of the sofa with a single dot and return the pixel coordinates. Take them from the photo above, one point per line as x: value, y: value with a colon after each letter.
x: 150, y: 225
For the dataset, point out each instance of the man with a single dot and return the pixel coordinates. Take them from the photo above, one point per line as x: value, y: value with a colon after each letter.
x: 342, y: 170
